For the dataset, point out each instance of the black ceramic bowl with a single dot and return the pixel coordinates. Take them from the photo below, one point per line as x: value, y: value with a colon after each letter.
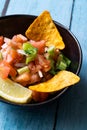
x: 15, y: 24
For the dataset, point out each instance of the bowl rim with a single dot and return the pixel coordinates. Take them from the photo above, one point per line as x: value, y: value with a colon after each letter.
x: 77, y: 72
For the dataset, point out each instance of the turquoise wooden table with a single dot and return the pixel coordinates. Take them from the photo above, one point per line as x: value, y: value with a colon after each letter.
x: 70, y: 111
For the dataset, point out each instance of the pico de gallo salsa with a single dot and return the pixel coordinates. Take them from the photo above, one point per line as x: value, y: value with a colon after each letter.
x: 29, y: 62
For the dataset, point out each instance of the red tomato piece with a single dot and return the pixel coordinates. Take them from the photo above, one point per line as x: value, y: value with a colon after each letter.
x: 39, y: 96
x: 1, y: 40
x: 43, y: 62
x: 12, y: 72
x: 4, y: 70
x: 40, y: 45
x: 10, y: 55
x: 19, y: 38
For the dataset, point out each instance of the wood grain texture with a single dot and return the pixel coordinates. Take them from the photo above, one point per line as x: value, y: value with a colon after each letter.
x: 12, y: 118
x: 60, y: 10
x: 2, y: 3
x: 72, y: 112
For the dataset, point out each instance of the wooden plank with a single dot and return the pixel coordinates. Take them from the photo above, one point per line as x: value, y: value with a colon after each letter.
x: 60, y: 10
x: 14, y: 118
x: 43, y: 119
x: 72, y: 113
x: 2, y: 3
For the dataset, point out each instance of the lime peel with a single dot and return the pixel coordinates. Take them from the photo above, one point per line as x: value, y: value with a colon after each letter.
x: 14, y: 92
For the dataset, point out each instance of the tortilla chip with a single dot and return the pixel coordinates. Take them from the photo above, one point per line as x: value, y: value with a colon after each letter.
x: 59, y: 81
x: 43, y: 28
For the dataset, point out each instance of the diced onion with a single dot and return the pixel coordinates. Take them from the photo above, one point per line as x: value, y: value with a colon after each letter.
x: 21, y: 52
x: 7, y: 40
x: 5, y: 45
x: 40, y: 74
x: 46, y: 48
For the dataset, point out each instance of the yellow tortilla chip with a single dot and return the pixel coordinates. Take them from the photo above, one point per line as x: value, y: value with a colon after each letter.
x: 59, y: 81
x: 43, y: 28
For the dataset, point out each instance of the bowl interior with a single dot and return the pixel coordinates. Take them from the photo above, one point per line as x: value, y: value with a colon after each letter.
x: 15, y: 24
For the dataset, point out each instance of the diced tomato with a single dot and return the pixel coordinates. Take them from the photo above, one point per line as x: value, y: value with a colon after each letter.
x: 39, y: 96
x: 13, y: 56
x: 44, y: 63
x: 34, y: 67
x: 1, y: 40
x: 34, y: 78
x: 23, y: 77
x: 6, y: 69
x: 27, y: 78
x: 12, y: 72
x: 10, y: 55
x: 40, y: 45
x: 19, y: 38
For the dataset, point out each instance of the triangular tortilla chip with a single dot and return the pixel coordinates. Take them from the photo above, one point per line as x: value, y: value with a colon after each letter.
x: 59, y: 81
x: 43, y: 28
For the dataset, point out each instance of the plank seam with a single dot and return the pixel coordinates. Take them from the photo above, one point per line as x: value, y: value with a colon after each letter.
x: 5, y: 8
x: 56, y: 113
x: 72, y: 14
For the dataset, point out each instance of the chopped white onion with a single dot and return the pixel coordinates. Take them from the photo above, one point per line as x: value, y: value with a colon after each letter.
x: 7, y: 42
x: 40, y: 74
x: 5, y: 45
x: 46, y: 48
x: 21, y: 52
x: 22, y: 37
x: 7, y: 39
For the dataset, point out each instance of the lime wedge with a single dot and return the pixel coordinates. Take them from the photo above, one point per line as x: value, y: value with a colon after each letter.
x: 14, y: 92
